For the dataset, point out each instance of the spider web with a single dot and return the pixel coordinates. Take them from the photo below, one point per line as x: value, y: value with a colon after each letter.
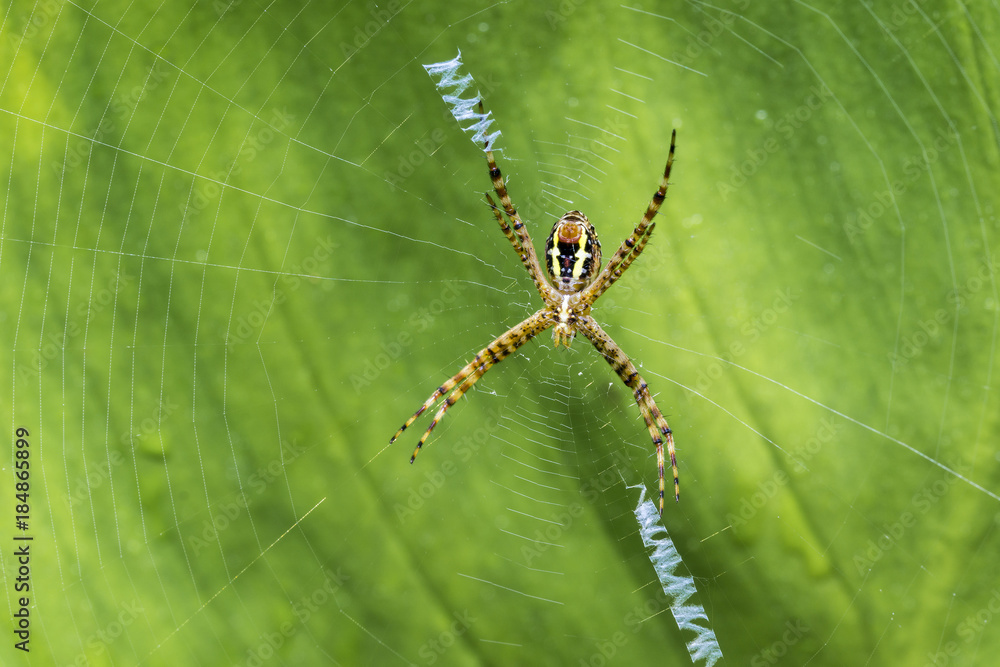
x: 240, y: 243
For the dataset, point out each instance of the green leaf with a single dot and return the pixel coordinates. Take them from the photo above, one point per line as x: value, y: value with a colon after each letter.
x: 241, y: 244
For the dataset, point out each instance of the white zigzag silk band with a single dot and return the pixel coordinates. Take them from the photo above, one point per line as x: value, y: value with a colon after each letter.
x: 447, y: 76
x: 664, y: 557
x: 678, y: 588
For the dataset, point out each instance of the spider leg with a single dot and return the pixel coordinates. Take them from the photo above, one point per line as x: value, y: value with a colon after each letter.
x: 636, y: 242
x: 520, y: 238
x: 438, y: 393
x: 488, y: 357
x: 507, y: 231
x: 543, y: 288
x: 659, y: 430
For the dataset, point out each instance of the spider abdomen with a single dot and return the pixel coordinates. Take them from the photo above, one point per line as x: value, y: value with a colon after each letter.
x: 572, y: 253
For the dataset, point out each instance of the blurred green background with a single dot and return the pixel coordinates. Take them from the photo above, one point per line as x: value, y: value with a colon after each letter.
x: 241, y: 242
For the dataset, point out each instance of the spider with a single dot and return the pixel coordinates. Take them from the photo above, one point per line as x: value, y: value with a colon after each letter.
x: 574, y: 281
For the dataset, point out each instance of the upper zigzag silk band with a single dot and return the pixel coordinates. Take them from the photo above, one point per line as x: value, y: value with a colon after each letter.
x: 447, y: 75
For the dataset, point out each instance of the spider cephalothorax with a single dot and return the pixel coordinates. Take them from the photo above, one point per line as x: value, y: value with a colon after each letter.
x: 574, y: 281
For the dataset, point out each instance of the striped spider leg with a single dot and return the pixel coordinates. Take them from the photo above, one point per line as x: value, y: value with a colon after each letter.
x: 488, y: 357
x: 572, y: 282
x: 659, y: 430
x: 631, y: 248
